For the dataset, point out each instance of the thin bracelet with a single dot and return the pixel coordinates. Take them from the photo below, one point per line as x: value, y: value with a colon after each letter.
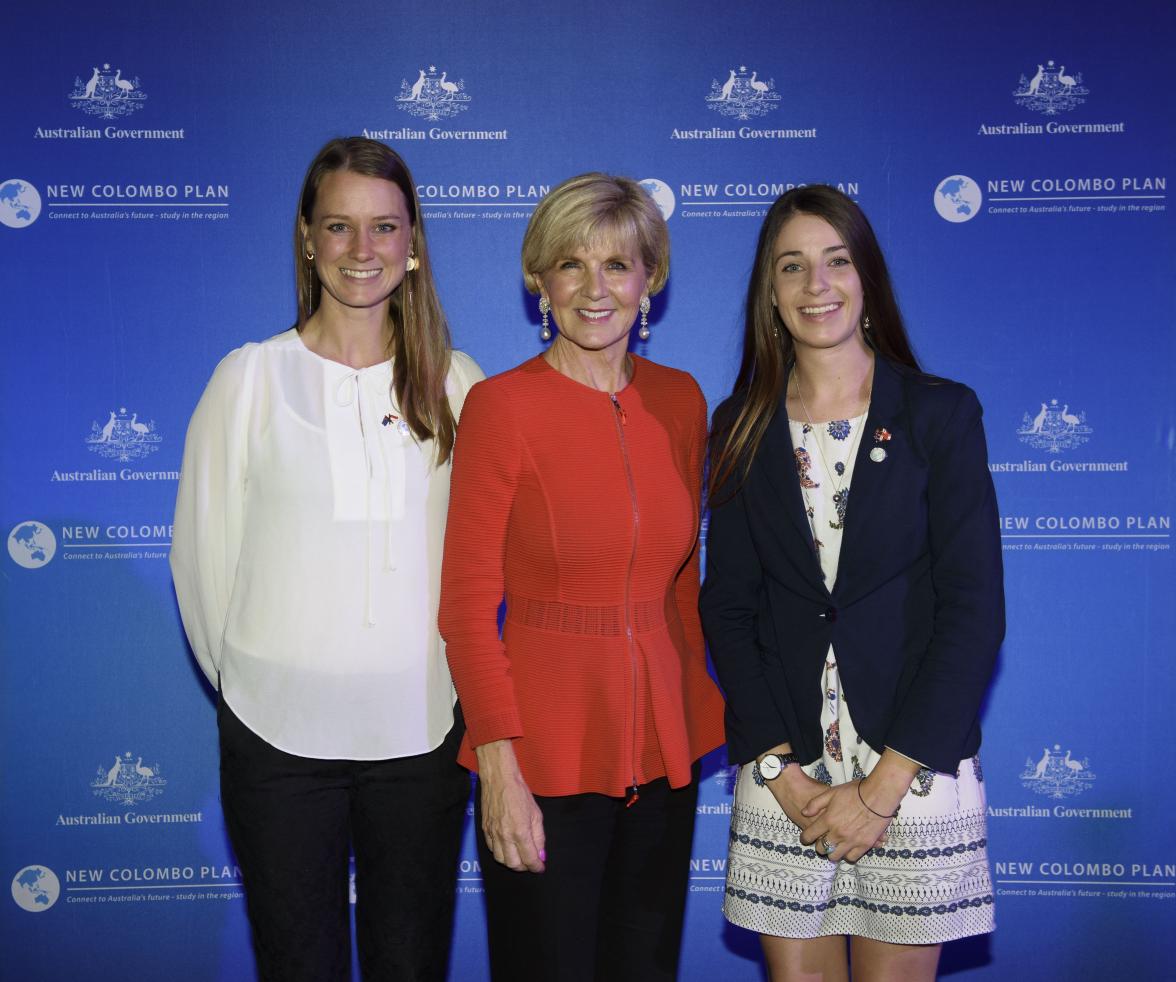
x: 868, y: 808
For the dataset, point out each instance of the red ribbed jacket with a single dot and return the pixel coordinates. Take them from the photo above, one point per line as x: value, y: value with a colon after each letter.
x: 585, y: 518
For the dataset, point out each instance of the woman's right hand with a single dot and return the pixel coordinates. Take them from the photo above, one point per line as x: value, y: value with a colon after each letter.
x: 793, y: 790
x: 512, y: 823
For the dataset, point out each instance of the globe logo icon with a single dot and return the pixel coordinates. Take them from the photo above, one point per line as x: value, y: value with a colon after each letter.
x: 20, y: 203
x: 31, y: 544
x: 35, y: 888
x: 662, y: 196
x: 958, y: 198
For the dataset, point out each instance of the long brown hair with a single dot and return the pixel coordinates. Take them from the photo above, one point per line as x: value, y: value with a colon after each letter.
x: 420, y: 343
x: 768, y: 350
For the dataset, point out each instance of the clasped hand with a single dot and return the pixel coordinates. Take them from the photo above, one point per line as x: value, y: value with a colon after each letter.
x: 837, y: 817
x: 851, y: 817
x: 833, y: 813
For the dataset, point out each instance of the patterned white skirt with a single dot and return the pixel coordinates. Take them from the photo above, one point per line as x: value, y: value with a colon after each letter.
x: 926, y: 882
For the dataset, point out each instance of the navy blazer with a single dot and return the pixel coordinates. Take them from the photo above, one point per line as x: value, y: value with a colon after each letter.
x: 916, y: 616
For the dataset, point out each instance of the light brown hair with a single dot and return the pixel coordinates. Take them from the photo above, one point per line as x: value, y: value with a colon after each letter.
x: 420, y: 343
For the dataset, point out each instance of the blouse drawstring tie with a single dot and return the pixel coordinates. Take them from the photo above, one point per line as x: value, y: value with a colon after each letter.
x: 349, y: 391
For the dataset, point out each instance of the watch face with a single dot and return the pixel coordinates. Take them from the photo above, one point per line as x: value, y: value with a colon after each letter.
x: 770, y: 767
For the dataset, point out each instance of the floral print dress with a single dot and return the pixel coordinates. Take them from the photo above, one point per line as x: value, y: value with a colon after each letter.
x: 928, y: 880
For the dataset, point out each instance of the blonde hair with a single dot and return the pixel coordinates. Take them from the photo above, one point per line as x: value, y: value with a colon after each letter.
x: 590, y: 208
x: 420, y: 344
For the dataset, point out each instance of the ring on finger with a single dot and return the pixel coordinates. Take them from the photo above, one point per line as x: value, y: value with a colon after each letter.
x: 829, y: 847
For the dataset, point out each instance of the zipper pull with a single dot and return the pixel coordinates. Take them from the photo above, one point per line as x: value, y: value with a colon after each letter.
x: 624, y: 420
x: 633, y: 797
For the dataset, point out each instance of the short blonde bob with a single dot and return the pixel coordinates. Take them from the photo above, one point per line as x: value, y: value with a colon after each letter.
x: 592, y: 208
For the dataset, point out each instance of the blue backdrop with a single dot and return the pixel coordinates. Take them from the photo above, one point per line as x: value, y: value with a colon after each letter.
x: 1014, y: 160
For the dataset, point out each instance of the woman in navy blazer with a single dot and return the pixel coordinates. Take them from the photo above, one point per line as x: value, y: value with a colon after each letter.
x: 870, y: 824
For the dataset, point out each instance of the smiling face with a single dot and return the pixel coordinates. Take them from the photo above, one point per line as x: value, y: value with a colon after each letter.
x: 815, y: 285
x: 360, y: 234
x: 595, y: 293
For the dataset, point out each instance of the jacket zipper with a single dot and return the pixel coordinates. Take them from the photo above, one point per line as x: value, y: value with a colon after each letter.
x: 622, y: 420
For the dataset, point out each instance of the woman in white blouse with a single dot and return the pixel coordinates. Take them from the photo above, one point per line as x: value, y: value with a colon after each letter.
x: 306, y: 559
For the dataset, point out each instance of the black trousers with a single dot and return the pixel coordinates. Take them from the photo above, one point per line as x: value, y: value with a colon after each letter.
x: 609, y: 905
x: 292, y: 821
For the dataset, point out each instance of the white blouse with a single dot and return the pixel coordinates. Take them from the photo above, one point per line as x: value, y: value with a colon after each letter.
x: 306, y: 553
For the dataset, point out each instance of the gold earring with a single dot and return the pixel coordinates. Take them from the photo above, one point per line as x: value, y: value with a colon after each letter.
x: 309, y: 255
x: 411, y: 263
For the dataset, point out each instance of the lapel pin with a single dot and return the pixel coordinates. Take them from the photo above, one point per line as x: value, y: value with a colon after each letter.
x: 877, y: 455
x: 401, y: 424
x: 881, y: 435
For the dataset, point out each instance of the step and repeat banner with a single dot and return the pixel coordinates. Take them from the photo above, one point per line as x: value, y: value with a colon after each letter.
x: 1016, y: 165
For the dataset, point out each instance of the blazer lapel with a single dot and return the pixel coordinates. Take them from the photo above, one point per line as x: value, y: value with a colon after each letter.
x: 778, y: 461
x: 870, y: 476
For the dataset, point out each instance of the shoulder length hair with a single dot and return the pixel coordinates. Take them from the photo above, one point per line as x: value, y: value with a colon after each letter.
x: 768, y: 350
x: 420, y: 343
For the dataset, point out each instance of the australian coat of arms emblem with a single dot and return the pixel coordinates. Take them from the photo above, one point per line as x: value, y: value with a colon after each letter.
x: 1053, y: 430
x: 743, y: 96
x: 123, y: 437
x: 433, y: 96
x: 107, y: 94
x: 127, y: 781
x: 1057, y: 775
x: 1051, y: 90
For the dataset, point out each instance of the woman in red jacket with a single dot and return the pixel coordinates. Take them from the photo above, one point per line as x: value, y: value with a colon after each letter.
x: 576, y: 498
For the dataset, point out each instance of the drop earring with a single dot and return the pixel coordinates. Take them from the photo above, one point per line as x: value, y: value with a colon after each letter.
x: 411, y: 263
x: 544, y: 309
x: 309, y: 280
x: 643, y: 330
x: 866, y: 323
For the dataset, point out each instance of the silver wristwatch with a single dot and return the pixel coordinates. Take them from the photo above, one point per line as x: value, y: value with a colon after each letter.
x: 772, y: 766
